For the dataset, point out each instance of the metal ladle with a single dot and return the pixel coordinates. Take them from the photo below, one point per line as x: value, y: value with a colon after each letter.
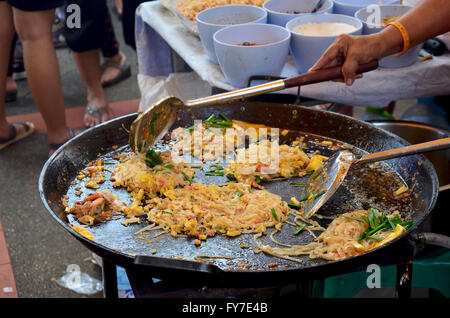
x: 151, y: 125
x: 324, y: 182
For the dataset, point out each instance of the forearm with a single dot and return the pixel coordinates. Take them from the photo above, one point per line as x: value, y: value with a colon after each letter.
x: 427, y: 19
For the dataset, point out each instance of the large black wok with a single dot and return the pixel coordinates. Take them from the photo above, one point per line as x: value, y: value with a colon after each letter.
x: 364, y: 188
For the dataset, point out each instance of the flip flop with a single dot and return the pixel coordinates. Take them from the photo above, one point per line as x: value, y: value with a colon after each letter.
x: 95, y: 112
x: 13, y: 136
x: 125, y: 72
x: 117, y: 13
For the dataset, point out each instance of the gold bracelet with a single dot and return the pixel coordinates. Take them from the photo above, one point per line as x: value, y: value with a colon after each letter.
x: 405, y: 36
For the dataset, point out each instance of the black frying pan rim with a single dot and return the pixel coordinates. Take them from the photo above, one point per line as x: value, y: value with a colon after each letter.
x: 400, y: 121
x: 128, y: 258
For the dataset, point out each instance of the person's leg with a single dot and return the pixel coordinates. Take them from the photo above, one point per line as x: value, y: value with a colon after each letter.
x: 118, y: 4
x: 11, y: 86
x: 6, y: 38
x: 89, y: 66
x: 113, y: 68
x: 35, y: 32
x: 128, y: 21
x: 116, y: 60
x: 11, y: 89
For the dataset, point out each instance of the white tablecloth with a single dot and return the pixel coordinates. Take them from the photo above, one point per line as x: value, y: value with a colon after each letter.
x: 158, y: 32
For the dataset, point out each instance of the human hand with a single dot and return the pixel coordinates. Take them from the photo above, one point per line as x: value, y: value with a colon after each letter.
x: 350, y: 51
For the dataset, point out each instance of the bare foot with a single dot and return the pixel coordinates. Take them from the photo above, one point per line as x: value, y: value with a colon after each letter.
x: 110, y: 73
x: 97, y: 112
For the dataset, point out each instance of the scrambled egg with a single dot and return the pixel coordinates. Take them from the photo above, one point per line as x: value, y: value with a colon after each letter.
x: 83, y: 231
x: 135, y: 175
x: 267, y: 160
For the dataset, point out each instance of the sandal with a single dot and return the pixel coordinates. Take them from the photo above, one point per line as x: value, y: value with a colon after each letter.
x: 13, y: 136
x: 56, y: 146
x: 96, y: 112
x: 117, y: 13
x: 125, y: 72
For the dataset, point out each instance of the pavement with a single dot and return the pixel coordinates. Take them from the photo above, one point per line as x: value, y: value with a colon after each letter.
x: 34, y: 250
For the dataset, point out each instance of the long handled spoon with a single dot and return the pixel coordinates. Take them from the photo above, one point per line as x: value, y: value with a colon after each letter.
x: 324, y: 182
x: 151, y: 125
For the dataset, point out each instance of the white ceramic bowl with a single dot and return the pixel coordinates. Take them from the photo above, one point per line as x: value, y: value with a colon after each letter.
x: 281, y: 12
x: 370, y: 26
x: 213, y: 19
x: 238, y: 63
x: 307, y: 49
x: 349, y: 7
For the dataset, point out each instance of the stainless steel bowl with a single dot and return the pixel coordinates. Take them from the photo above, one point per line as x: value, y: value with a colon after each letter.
x: 415, y: 132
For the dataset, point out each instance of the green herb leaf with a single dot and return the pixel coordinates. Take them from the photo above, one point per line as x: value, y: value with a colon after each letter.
x: 186, y: 177
x: 305, y: 197
x: 275, y: 216
x: 225, y: 117
x: 296, y: 184
x: 318, y: 173
x: 378, y: 228
x: 167, y: 212
x: 281, y: 179
x: 319, y: 194
x: 299, y: 229
x: 214, y: 131
x: 153, y: 158
x: 213, y: 121
x: 169, y: 166
x: 380, y: 222
x: 391, y: 224
x: 231, y: 176
x: 294, y: 206
x: 407, y: 225
x: 352, y: 218
x: 364, y: 235
x: 365, y: 219
x: 153, y: 122
x: 371, y: 218
x: 192, y: 128
x: 374, y: 238
x: 214, y: 173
